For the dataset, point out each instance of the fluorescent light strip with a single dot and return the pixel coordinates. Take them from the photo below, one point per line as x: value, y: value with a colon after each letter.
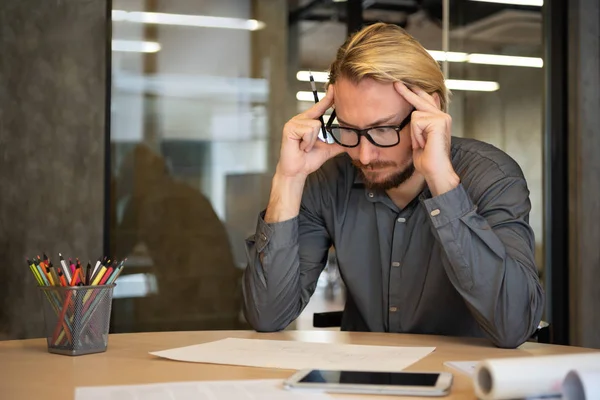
x: 535, y: 3
x: 494, y: 59
x: 475, y: 58
x: 318, y: 76
x: 135, y: 46
x: 187, y: 20
x: 321, y: 77
x: 478, y: 86
x: 451, y: 84
x: 308, y: 96
x: 490, y: 59
x: 451, y: 56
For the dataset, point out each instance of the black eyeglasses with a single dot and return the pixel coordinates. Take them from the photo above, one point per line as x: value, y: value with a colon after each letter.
x: 381, y: 136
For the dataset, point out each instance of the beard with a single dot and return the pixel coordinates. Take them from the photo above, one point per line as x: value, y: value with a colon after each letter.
x: 390, y: 182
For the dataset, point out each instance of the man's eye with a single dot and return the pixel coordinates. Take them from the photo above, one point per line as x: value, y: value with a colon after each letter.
x: 379, y: 130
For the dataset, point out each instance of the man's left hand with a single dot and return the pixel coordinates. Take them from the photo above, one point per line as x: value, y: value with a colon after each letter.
x: 431, y: 131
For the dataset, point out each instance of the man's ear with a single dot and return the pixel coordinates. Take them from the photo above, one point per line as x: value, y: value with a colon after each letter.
x: 436, y: 97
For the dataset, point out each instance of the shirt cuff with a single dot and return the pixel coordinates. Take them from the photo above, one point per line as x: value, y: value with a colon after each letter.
x: 449, y: 206
x: 276, y: 235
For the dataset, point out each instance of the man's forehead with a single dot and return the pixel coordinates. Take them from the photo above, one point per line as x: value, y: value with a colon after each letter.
x: 369, y: 111
x: 367, y: 93
x: 376, y: 120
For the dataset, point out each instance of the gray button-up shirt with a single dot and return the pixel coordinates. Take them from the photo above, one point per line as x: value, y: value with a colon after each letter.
x: 461, y: 263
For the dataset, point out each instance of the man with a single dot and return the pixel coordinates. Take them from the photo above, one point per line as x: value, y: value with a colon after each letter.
x: 431, y: 232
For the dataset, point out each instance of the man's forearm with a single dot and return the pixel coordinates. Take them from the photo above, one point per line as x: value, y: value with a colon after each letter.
x: 285, y: 199
x: 278, y: 227
x: 271, y: 288
x: 492, y: 268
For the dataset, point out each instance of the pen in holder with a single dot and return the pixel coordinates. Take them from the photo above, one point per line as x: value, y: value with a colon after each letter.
x: 77, y: 318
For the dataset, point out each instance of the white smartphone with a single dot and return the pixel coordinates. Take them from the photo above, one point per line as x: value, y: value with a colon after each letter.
x: 366, y: 382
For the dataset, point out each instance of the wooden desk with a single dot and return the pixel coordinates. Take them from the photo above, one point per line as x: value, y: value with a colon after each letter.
x: 28, y: 371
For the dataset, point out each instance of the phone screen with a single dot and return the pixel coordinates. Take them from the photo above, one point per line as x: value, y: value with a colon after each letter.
x: 371, y: 378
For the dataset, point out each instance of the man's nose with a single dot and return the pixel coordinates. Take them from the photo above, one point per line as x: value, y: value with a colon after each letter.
x: 367, y: 152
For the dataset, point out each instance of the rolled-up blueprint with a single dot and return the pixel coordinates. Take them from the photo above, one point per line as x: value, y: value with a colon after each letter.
x: 511, y: 378
x: 581, y: 384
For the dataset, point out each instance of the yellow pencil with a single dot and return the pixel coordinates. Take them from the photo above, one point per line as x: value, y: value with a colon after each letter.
x: 35, y: 274
x: 48, y: 274
x: 97, y: 279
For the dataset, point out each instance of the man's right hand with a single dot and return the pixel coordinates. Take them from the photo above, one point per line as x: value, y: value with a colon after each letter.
x: 301, y: 150
x: 301, y: 154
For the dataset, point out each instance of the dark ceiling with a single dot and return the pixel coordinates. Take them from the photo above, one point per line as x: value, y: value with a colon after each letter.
x: 462, y: 12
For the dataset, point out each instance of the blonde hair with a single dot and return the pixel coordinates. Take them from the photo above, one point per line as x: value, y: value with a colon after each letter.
x: 387, y: 53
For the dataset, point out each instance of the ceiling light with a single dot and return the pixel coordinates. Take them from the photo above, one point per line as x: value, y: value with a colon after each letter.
x: 451, y: 84
x: 135, y: 46
x: 491, y: 59
x: 308, y: 96
x: 537, y: 3
x: 478, y: 86
x: 318, y: 76
x: 448, y: 56
x: 187, y: 20
x: 494, y: 59
x: 475, y: 58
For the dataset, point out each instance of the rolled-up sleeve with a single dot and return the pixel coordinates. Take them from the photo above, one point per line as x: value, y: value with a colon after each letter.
x: 285, y: 260
x: 489, y: 250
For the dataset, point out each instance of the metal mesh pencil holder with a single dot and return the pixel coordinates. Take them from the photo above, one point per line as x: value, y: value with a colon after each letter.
x: 77, y: 318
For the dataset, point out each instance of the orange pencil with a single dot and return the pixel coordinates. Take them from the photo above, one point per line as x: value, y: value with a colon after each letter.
x: 40, y: 262
x: 61, y: 277
x: 62, y: 323
x: 76, y: 275
x: 74, y: 279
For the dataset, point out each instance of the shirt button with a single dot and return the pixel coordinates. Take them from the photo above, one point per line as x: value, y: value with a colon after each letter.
x: 395, y: 264
x: 435, y: 212
x: 263, y: 237
x: 401, y: 220
x: 371, y: 194
x: 393, y: 309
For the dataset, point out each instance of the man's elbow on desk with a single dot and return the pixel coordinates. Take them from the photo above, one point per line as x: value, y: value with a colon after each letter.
x: 263, y: 321
x: 509, y: 341
x: 514, y: 334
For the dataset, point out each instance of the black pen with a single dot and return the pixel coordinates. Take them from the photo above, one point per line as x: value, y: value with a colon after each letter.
x: 314, y: 90
x: 88, y: 272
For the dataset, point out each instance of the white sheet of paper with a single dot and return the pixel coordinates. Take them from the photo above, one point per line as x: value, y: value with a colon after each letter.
x: 299, y: 355
x: 210, y: 390
x: 466, y: 367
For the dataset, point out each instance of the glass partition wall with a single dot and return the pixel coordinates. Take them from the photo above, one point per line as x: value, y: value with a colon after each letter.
x: 200, y: 93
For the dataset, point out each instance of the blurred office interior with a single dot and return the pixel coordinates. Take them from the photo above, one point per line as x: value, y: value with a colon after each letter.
x: 150, y: 129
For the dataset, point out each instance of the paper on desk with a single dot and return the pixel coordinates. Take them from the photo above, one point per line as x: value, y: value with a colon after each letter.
x: 299, y: 355
x: 466, y: 367
x: 211, y: 390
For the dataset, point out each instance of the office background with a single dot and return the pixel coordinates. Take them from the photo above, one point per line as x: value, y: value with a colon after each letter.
x: 154, y: 141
